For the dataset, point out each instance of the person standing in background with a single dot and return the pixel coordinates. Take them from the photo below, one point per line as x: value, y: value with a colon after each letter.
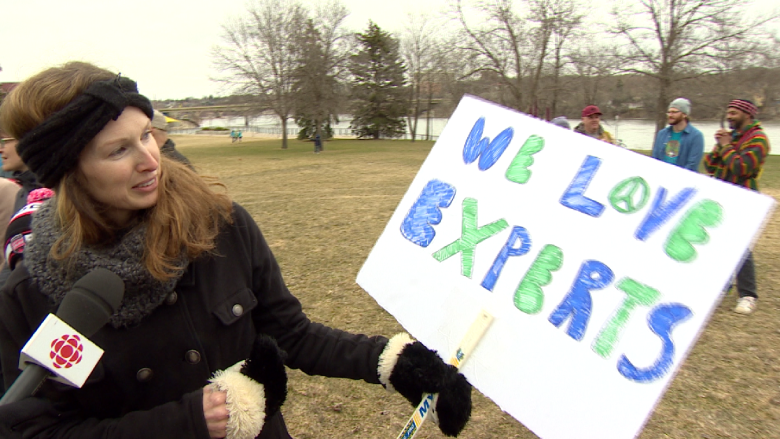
x: 680, y: 143
x: 4, y: 174
x: 591, y: 125
x: 19, y: 172
x: 8, y: 191
x: 562, y: 122
x: 160, y: 134
x: 317, y: 143
x: 738, y: 158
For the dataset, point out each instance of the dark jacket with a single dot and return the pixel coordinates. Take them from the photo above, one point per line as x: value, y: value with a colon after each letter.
x: 209, y: 323
x: 28, y: 182
x: 601, y: 134
x: 169, y: 149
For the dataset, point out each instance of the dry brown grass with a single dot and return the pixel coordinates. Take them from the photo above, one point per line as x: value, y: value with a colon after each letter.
x: 322, y: 213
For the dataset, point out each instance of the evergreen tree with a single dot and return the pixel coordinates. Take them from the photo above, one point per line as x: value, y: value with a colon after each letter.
x: 378, y: 86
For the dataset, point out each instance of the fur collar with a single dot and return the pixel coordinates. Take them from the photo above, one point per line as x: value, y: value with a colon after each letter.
x: 143, y: 293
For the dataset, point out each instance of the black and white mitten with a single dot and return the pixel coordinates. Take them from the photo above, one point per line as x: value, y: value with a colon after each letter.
x: 256, y: 388
x: 410, y: 368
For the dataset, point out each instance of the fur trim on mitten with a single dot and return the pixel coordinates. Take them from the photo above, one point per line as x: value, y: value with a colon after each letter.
x: 410, y: 368
x: 389, y: 357
x: 245, y: 402
x: 256, y: 388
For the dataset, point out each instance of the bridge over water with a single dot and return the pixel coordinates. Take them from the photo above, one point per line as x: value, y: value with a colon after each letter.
x: 197, y: 113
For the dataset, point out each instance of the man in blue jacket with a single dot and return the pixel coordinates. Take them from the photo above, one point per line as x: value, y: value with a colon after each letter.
x: 680, y: 143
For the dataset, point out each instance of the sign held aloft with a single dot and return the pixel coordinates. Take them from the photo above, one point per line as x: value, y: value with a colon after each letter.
x: 600, y: 265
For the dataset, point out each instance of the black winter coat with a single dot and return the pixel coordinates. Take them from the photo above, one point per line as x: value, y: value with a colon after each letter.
x: 149, y: 380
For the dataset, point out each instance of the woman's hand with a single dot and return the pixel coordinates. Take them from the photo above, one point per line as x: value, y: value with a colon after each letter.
x: 215, y: 411
x: 257, y: 388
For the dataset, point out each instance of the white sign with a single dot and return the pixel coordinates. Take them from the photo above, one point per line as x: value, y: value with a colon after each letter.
x: 600, y: 266
x: 56, y: 346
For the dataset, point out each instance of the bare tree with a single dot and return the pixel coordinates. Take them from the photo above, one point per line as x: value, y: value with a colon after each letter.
x: 591, y: 65
x: 513, y: 44
x: 423, y: 49
x: 323, y: 52
x: 675, y: 40
x: 259, y: 55
x: 565, y: 20
x: 495, y: 43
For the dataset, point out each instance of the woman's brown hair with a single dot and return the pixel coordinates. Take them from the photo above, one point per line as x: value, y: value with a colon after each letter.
x: 188, y: 213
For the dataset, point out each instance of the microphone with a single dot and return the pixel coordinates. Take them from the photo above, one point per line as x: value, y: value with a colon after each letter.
x: 86, y: 308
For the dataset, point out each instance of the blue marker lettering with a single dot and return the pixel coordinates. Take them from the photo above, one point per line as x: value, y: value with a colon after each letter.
x: 574, y: 197
x: 487, y: 151
x: 416, y: 226
x: 593, y: 275
x: 661, y: 212
x: 518, y: 244
x: 661, y: 321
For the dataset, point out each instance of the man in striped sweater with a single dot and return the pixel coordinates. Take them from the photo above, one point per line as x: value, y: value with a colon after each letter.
x: 738, y: 158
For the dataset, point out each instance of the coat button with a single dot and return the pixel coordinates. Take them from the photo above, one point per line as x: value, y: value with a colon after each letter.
x: 172, y: 298
x: 144, y: 375
x: 238, y: 310
x: 192, y: 356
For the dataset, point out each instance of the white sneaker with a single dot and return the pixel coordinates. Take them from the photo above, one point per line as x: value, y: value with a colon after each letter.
x: 745, y: 305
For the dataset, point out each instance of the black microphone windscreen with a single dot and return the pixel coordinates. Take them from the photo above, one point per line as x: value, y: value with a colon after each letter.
x: 92, y: 301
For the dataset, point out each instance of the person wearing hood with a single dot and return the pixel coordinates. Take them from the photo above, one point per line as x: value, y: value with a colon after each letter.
x: 591, y: 125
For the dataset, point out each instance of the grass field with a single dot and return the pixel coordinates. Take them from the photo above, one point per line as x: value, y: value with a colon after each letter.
x: 322, y: 213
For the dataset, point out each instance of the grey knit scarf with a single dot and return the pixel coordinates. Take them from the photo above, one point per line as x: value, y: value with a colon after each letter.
x: 143, y: 293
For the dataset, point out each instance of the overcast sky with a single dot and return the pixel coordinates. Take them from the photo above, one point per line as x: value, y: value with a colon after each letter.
x: 164, y: 45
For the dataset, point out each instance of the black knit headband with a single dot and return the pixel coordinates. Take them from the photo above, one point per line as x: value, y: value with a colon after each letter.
x: 52, y: 148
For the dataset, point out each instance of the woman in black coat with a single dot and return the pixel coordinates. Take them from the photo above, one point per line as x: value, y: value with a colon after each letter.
x: 198, y: 344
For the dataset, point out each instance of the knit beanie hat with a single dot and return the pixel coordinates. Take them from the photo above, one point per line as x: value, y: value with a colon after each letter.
x: 682, y: 104
x: 744, y: 105
x: 52, y: 148
x: 562, y: 122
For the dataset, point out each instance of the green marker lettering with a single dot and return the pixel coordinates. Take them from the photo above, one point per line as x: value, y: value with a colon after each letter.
x: 471, y: 235
x: 692, y: 230
x: 636, y: 294
x: 623, y: 197
x: 529, y: 296
x: 518, y: 171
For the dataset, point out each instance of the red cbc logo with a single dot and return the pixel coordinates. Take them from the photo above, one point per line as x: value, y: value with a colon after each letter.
x: 66, y: 351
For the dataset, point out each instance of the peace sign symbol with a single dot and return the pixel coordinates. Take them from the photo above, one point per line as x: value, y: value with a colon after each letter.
x: 624, y: 197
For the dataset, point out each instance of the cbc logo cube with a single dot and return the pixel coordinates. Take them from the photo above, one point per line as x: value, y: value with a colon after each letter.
x: 66, y: 351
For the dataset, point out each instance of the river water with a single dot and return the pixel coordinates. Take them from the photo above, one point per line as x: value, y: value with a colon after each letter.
x: 635, y: 134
